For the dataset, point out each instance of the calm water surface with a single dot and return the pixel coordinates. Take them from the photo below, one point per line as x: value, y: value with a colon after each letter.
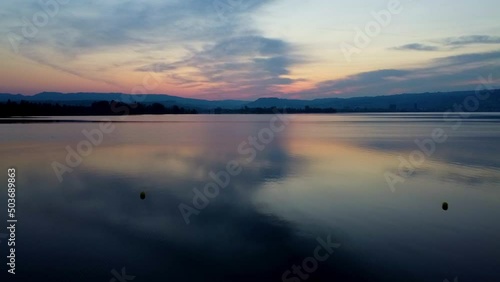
x: 322, y: 176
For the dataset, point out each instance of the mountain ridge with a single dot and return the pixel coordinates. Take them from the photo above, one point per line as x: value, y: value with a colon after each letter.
x: 428, y: 101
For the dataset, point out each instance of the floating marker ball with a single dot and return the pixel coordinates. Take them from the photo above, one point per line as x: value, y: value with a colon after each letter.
x: 143, y: 195
x: 445, y: 206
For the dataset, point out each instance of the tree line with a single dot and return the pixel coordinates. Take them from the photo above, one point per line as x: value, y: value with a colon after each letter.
x: 105, y: 108
x: 101, y: 108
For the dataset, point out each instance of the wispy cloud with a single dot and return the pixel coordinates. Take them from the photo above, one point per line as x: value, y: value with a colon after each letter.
x: 84, y: 27
x: 470, y: 39
x: 450, y: 43
x: 468, y: 59
x: 416, y: 47
x: 247, y: 64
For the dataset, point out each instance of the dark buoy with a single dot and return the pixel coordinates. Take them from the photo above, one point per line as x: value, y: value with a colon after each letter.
x: 143, y: 195
x: 445, y: 206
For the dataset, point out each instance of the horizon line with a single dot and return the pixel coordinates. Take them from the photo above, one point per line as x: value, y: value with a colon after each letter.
x: 267, y: 97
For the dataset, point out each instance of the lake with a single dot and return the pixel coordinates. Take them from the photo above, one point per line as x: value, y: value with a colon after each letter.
x: 345, y: 197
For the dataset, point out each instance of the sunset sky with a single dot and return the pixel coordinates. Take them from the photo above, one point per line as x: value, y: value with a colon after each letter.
x: 246, y: 49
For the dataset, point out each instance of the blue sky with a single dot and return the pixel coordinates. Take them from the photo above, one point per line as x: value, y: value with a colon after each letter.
x: 246, y: 49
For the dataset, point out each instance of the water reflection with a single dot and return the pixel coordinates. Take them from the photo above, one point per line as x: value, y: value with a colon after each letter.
x: 322, y: 175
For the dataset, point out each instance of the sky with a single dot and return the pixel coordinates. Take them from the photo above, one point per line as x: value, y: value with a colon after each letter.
x: 247, y: 49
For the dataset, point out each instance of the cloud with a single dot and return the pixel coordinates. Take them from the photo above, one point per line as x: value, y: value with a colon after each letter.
x: 450, y: 43
x: 250, y: 65
x: 108, y: 24
x: 470, y: 39
x: 156, y: 67
x: 467, y: 59
x: 451, y: 73
x: 416, y: 47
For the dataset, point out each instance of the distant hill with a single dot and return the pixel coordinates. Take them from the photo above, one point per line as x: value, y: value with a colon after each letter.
x: 86, y: 99
x: 431, y: 102
x: 427, y: 102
